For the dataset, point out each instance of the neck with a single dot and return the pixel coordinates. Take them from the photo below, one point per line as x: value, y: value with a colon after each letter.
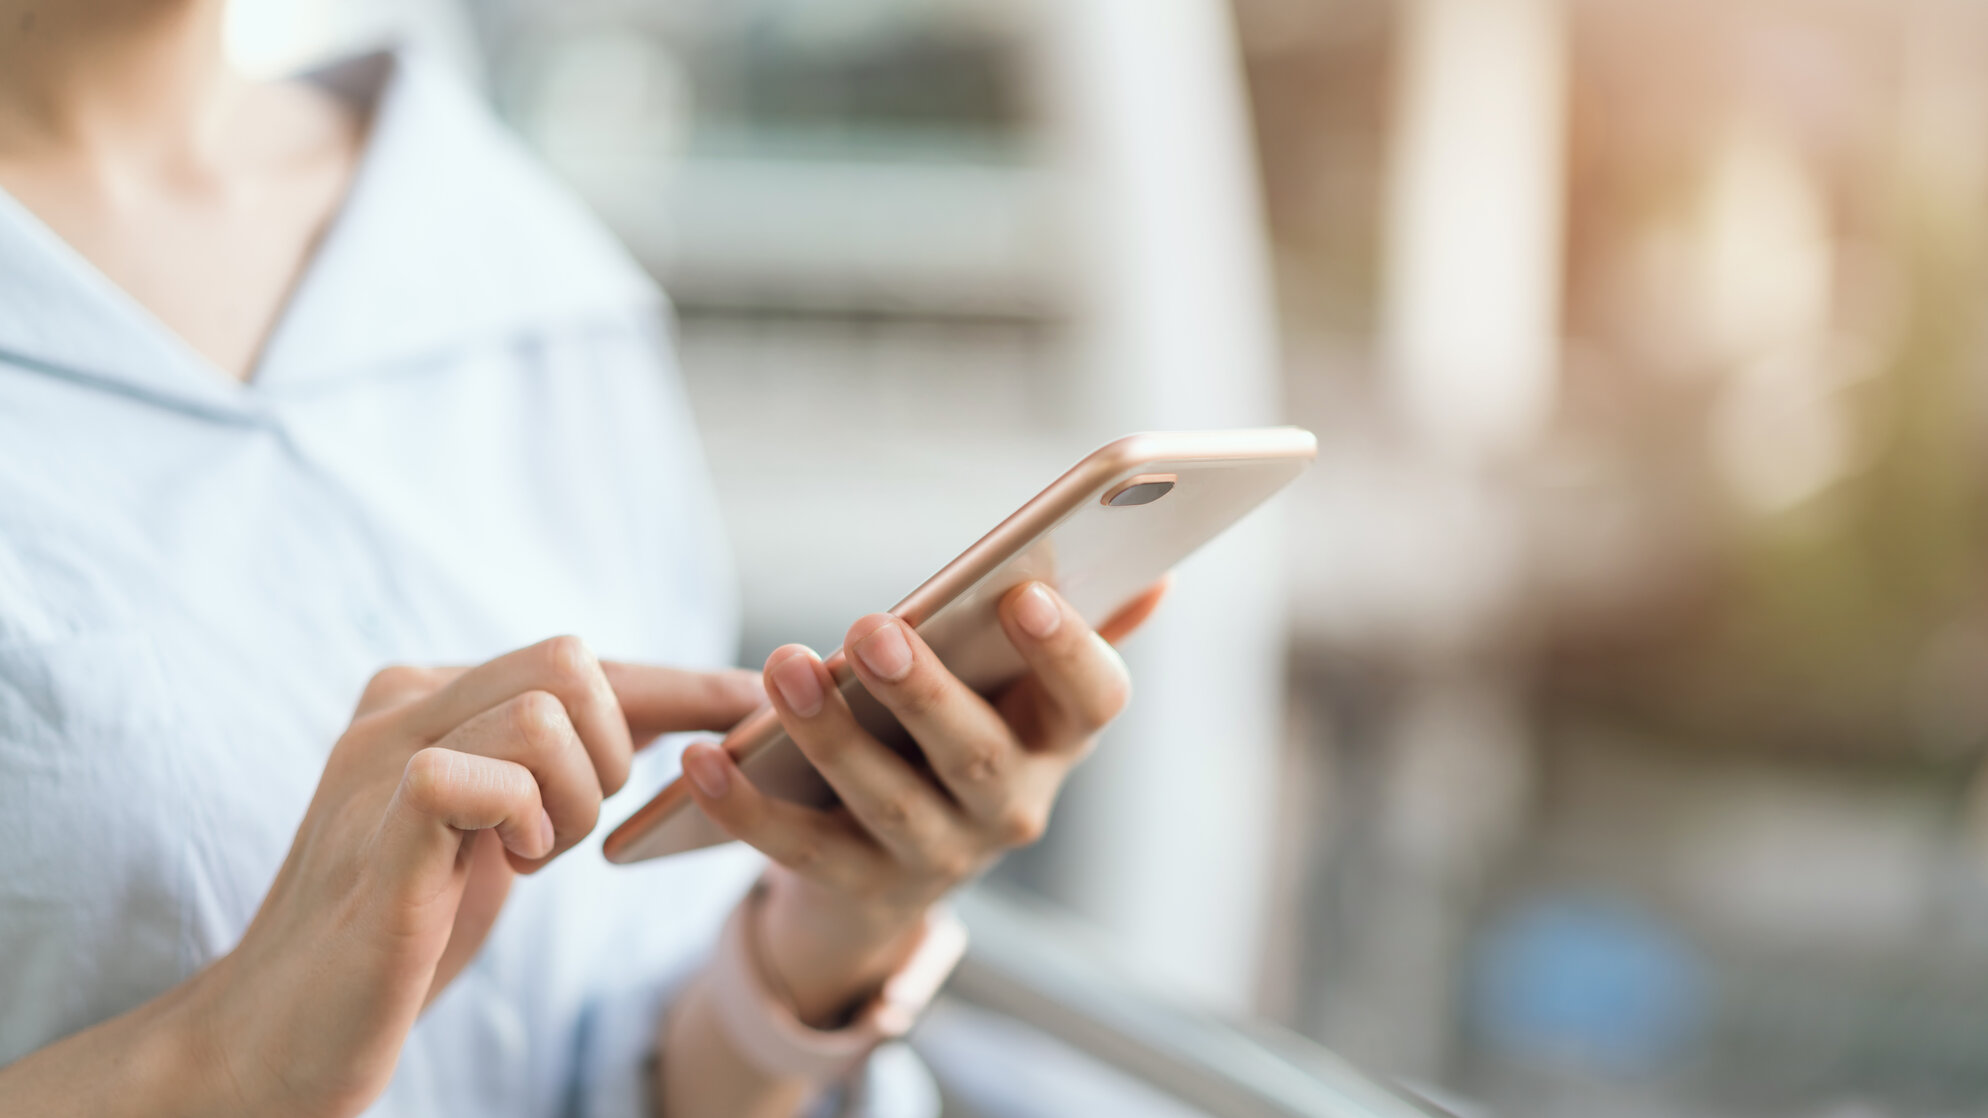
x: 114, y: 81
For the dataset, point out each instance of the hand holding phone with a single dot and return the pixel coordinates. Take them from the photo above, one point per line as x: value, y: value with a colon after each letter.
x: 880, y: 779
x: 849, y: 881
x: 1110, y: 527
x: 939, y: 737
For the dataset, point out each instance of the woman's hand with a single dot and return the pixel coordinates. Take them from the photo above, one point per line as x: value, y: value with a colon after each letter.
x: 852, y: 884
x: 447, y: 783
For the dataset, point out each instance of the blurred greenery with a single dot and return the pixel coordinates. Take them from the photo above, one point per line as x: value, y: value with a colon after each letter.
x: 1834, y: 609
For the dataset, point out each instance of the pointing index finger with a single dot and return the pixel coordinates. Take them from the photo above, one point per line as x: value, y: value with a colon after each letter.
x: 562, y: 666
x: 658, y: 700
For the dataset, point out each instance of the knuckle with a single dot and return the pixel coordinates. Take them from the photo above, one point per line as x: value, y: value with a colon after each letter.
x: 396, y: 676
x: 893, y: 813
x: 429, y: 776
x: 955, y: 865
x: 982, y: 765
x: 568, y: 663
x: 398, y: 679
x: 1021, y: 825
x: 538, y: 717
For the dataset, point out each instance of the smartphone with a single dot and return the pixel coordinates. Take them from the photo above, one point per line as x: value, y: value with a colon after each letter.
x: 1111, y: 526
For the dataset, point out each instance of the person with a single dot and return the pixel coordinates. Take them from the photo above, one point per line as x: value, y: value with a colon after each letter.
x: 301, y: 379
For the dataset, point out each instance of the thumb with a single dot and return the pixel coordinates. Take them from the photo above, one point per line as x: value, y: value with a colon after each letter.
x: 659, y: 700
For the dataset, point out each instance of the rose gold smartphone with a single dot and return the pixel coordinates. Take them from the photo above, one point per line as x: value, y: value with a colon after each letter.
x: 1100, y: 534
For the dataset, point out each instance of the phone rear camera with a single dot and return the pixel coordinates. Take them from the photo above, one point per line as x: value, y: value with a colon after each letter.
x: 1139, y: 491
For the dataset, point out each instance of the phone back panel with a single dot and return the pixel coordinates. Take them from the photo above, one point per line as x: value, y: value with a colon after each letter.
x: 1098, y: 556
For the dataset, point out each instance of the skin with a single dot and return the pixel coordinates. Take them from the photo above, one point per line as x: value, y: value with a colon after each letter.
x: 197, y: 192
x: 202, y: 196
x: 849, y: 888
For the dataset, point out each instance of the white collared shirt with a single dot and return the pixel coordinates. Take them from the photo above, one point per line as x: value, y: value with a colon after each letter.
x: 465, y: 435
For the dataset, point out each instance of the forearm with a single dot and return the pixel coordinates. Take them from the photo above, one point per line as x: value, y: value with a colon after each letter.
x: 152, y: 1061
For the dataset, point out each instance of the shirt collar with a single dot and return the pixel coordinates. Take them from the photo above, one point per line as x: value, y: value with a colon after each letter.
x: 449, y: 234
x: 60, y: 315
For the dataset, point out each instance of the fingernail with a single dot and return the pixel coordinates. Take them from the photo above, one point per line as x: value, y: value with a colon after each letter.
x: 886, y: 652
x: 707, y: 770
x: 1036, y: 612
x: 795, y: 676
x: 546, y: 840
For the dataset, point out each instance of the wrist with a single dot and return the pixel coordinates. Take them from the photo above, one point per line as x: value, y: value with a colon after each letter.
x: 155, y: 1060
x: 186, y: 1055
x: 826, y: 952
x: 228, y: 1051
x: 763, y: 1030
x: 145, y: 1062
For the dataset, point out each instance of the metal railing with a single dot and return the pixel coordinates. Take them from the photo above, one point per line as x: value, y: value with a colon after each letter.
x: 1035, y: 968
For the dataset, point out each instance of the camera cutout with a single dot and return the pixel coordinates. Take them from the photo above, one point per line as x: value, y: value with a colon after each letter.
x: 1141, y: 490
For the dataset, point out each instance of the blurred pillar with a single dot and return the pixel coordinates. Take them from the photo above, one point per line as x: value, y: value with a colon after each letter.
x: 1472, y: 259
x: 1164, y: 838
x: 1470, y: 342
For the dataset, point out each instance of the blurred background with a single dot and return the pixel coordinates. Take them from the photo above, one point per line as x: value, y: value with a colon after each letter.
x: 1597, y: 729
